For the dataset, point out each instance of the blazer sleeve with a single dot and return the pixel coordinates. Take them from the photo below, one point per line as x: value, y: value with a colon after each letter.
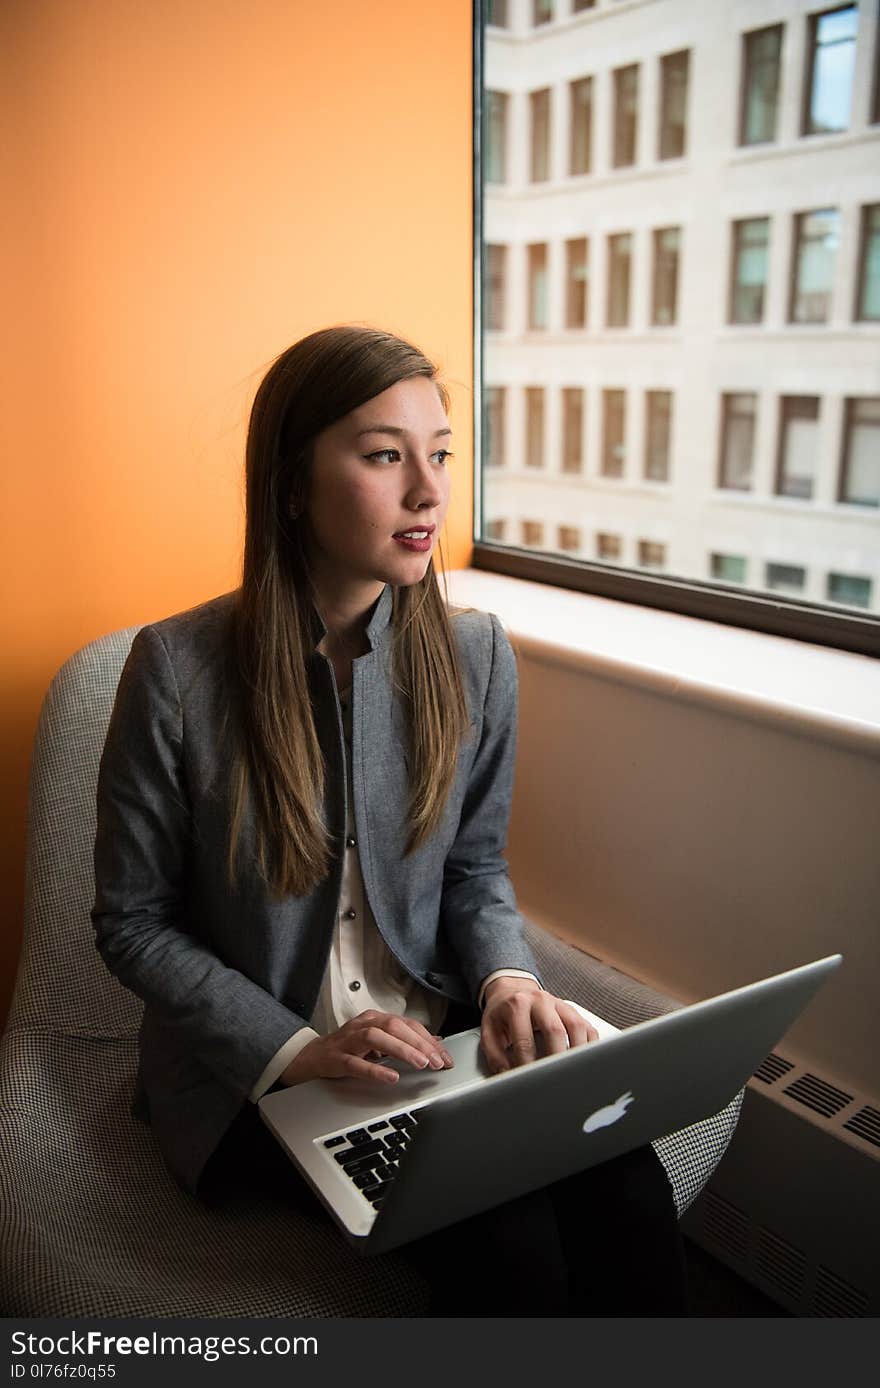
x: 478, y: 910
x: 142, y: 857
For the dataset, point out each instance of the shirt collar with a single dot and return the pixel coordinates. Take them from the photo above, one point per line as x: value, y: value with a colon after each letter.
x: 378, y: 627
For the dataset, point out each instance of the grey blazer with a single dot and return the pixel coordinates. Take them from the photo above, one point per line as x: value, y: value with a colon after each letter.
x: 226, y: 973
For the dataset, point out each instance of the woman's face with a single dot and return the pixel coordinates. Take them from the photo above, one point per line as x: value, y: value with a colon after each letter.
x: 379, y: 493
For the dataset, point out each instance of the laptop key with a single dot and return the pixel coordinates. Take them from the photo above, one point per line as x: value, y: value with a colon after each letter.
x: 400, y: 1120
x: 363, y: 1150
x: 377, y: 1127
x: 333, y: 1141
x: 357, y: 1136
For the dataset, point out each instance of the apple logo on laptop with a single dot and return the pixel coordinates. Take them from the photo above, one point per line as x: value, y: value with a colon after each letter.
x: 610, y: 1114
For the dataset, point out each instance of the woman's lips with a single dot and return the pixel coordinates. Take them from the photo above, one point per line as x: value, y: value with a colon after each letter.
x: 417, y: 538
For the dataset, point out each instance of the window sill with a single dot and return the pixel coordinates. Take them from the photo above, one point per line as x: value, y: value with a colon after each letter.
x: 809, y: 690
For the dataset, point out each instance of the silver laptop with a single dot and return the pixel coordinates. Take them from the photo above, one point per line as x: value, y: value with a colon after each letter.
x: 452, y: 1143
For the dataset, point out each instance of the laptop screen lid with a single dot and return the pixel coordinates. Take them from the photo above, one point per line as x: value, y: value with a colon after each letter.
x: 492, y: 1138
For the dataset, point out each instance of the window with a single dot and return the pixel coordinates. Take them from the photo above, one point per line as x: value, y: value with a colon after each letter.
x: 498, y: 13
x: 532, y: 532
x: 847, y: 589
x: 537, y: 286
x: 609, y: 548
x: 673, y: 105
x: 496, y: 137
x: 831, y: 61
x: 569, y: 538
x: 495, y: 529
x: 540, y: 108
x: 572, y: 429
x: 760, y: 85
x: 619, y: 259
x: 613, y: 432
x: 581, y: 123
x: 542, y: 11
x: 748, y: 279
x: 815, y: 244
x: 737, y: 442
x: 658, y: 411
x: 576, y: 283
x: 495, y: 402
x: 789, y: 579
x: 651, y: 554
x: 868, y: 305
x: 860, y: 473
x: 534, y: 426
x: 626, y: 113
x: 798, y: 442
x: 496, y: 264
x: 728, y: 568
x: 664, y: 296
x: 582, y: 5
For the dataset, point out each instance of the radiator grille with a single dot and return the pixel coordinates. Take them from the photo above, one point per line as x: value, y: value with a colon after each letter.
x: 835, y: 1297
x: 818, y: 1095
x: 780, y: 1263
x: 866, y: 1124
x: 725, y: 1225
x: 773, y: 1068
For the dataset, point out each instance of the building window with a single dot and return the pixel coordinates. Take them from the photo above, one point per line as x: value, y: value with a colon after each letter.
x: 540, y: 106
x: 619, y: 263
x: 850, y: 590
x: 495, y: 529
x: 497, y: 14
x: 728, y: 568
x: 582, y: 5
x: 737, y: 442
x: 572, y: 429
x: 651, y: 554
x: 576, y: 283
x: 831, y: 62
x: 868, y: 306
x: 496, y: 266
x: 673, y: 104
x: 789, y: 579
x: 613, y: 432
x: 658, y: 421
x: 609, y: 548
x: 496, y: 137
x: 532, y: 532
x: 798, y: 443
x: 860, y: 473
x: 626, y: 113
x: 534, y: 426
x: 581, y: 111
x: 748, y: 279
x: 815, y: 244
x: 569, y: 538
x: 664, y: 295
x: 495, y: 399
x: 537, y: 286
x: 542, y: 12
x: 760, y: 85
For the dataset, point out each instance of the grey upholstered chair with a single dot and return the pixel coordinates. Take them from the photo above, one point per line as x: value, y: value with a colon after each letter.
x: 90, y: 1221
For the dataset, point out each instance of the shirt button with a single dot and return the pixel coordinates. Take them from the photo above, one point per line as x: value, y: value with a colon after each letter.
x: 351, y: 841
x: 354, y: 986
x: 349, y: 915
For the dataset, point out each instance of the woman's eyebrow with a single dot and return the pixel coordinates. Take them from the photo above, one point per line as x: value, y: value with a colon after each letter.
x: 393, y: 429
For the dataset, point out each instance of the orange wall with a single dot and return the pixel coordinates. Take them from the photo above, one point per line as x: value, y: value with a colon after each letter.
x: 196, y: 184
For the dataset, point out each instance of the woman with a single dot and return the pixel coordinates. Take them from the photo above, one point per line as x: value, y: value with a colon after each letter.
x: 302, y: 810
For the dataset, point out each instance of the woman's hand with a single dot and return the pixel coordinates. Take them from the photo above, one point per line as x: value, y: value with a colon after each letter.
x: 354, y: 1049
x: 516, y: 1011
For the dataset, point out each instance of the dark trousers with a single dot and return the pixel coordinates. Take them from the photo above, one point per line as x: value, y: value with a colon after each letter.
x: 603, y: 1242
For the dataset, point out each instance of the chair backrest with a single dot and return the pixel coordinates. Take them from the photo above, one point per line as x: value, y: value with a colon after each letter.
x: 62, y: 983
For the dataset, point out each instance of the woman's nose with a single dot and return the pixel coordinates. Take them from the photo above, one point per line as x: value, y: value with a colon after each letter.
x: 425, y: 487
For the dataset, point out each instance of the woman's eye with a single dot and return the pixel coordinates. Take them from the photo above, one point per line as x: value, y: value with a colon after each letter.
x: 384, y: 455
x: 443, y: 454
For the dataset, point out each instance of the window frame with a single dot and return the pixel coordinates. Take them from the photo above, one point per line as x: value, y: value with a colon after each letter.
x: 819, y: 623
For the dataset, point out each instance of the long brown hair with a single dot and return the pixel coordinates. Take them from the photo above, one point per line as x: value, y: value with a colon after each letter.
x: 278, y: 764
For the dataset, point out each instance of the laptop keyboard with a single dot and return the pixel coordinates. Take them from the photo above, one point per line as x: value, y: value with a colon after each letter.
x: 369, y: 1156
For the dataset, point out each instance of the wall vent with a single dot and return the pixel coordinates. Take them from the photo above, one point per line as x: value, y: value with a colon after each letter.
x: 773, y: 1068
x: 818, y: 1095
x: 865, y: 1124
x: 780, y: 1263
x: 835, y: 1297
x: 726, y: 1225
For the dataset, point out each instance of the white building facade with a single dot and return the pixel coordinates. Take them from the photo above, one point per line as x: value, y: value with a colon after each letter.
x: 682, y: 297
